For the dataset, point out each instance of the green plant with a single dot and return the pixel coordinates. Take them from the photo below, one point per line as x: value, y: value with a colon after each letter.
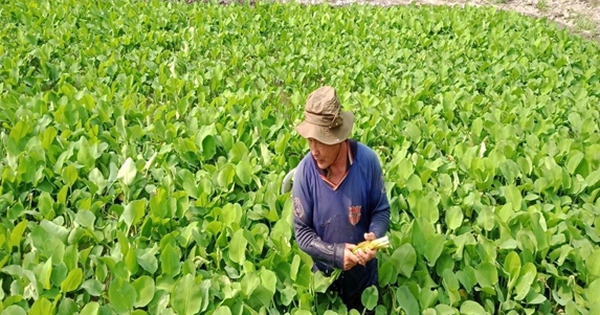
x: 143, y: 145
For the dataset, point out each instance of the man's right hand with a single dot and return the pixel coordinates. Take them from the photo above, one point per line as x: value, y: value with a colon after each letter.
x: 350, y: 260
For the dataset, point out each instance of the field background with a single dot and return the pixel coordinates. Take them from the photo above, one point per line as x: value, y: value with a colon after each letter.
x: 144, y: 144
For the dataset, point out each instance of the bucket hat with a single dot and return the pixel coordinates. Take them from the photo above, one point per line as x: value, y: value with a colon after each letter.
x: 324, y: 119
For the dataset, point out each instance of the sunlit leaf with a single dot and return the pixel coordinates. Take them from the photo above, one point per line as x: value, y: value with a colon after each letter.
x: 73, y: 280
x: 127, y: 172
x: 122, y: 295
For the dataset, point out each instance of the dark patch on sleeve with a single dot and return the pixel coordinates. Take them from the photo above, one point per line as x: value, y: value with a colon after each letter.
x: 298, y: 208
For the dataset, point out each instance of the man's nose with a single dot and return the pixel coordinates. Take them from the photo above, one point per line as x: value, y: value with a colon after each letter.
x: 315, y: 151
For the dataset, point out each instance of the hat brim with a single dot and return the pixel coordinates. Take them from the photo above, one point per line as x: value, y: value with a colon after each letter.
x: 326, y: 135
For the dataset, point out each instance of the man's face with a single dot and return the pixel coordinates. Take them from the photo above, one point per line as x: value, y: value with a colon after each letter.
x: 324, y: 154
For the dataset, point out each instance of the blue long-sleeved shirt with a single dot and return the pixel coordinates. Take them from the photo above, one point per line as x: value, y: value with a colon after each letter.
x: 326, y: 217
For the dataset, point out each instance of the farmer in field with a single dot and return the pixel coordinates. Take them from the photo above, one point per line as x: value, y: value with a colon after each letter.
x: 339, y: 197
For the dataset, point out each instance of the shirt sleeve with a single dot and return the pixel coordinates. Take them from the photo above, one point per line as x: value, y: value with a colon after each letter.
x: 306, y: 236
x: 380, y: 213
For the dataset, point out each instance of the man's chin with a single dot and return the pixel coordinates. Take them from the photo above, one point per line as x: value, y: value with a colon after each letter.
x: 322, y: 166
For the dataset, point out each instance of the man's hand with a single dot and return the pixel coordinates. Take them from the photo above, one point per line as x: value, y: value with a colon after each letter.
x: 350, y: 260
x: 370, y: 236
x: 364, y: 256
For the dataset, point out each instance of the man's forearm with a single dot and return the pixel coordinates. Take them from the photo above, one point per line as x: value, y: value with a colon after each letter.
x: 311, y: 243
x: 380, y: 222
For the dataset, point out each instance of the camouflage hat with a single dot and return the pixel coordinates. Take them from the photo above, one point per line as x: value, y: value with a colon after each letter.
x: 324, y: 119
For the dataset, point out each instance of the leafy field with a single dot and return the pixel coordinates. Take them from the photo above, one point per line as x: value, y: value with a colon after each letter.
x: 144, y: 144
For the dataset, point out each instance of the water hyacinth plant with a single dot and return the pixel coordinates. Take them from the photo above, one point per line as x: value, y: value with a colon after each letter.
x: 143, y: 145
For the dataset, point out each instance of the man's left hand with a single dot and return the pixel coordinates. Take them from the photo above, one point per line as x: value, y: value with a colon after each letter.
x: 364, y: 256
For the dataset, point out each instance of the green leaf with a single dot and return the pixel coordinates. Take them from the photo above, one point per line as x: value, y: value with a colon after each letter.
x: 528, y: 275
x: 294, y: 267
x: 208, y: 147
x: 71, y: 257
x: 287, y: 295
x: 16, y: 211
x: 97, y: 179
x: 407, y: 301
x: 413, y: 132
x: 591, y: 292
x: 539, y: 230
x: 467, y: 278
x: 268, y: 280
x: 186, y: 298
x: 127, y: 172
x: 243, y: 170
x: 404, y: 259
x: 91, y: 308
x: 428, y: 298
x: 593, y: 178
x: 593, y: 264
x: 59, y: 274
x: 387, y: 274
x: 190, y: 185
x: 237, y: 247
x: 93, y: 287
x: 131, y: 261
x: 454, y: 217
x: 320, y: 282
x: 513, y: 196
x: 487, y: 276
x: 41, y: 307
x: 45, y: 204
x: 222, y: 310
x: 85, y: 218
x: 238, y: 152
x: 13, y: 310
x: 57, y: 231
x: 370, y: 297
x: 472, y: 308
x: 147, y: 260
x: 45, y: 274
x: 73, y: 280
x: 19, y: 130
x: 226, y: 175
x: 134, y: 212
x: 67, y: 306
x: 170, y: 261
x: 249, y: 283
x: 426, y: 241
x: 16, y: 235
x: 573, y: 161
x: 121, y: 295
x: 434, y: 250
x: 414, y: 183
x: 449, y: 280
x: 486, y: 219
x: 443, y: 309
x: 231, y: 213
x: 144, y: 288
x: 405, y: 169
x: 70, y: 175
x: 512, y: 265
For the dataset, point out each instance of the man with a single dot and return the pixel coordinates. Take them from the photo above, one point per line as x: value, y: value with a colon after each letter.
x: 339, y: 197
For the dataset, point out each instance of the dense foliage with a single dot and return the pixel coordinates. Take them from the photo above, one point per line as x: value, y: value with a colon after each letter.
x: 143, y: 144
